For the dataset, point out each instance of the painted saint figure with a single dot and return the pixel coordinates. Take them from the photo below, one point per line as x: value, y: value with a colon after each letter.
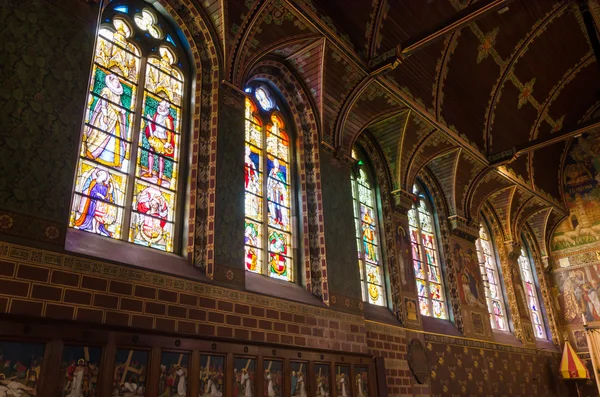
x: 181, y: 381
x: 251, y: 240
x: 161, y: 138
x: 277, y: 250
x: 246, y: 383
x: 359, y: 386
x: 103, y: 138
x: 269, y: 381
x: 300, y: 385
x: 321, y: 388
x: 77, y: 384
x: 250, y: 173
x: 342, y: 388
x: 155, y: 209
x: 95, y: 214
x: 277, y: 192
x: 369, y: 236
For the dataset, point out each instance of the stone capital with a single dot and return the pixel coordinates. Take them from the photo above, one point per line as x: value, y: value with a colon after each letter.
x: 403, y: 201
x: 513, y: 250
x: 464, y: 228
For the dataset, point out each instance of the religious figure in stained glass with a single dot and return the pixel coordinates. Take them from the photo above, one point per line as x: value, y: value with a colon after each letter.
x: 369, y: 235
x: 533, y: 306
x: 107, y: 125
x: 366, y: 234
x: 277, y: 252
x: 425, y: 257
x: 251, y: 240
x: 155, y: 209
x: 277, y: 194
x: 161, y: 139
x: 252, y: 182
x: 116, y: 133
x: 267, y: 148
x: 251, y: 173
x: 94, y: 215
x: 491, y: 279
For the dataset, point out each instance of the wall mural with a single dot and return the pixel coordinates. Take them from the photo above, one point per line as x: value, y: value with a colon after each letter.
x: 173, y: 374
x: 80, y: 367
x: 362, y: 381
x: 273, y: 378
x: 211, y: 376
x: 243, y: 376
x: 130, y: 373
x: 20, y: 368
x: 299, y: 379
x: 577, y: 293
x: 342, y: 381
x: 322, y: 380
x: 581, y: 183
x: 470, y: 284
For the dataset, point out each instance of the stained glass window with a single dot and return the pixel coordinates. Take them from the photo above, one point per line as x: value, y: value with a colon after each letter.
x: 491, y: 280
x: 128, y: 169
x: 367, y: 236
x: 526, y: 267
x: 268, y: 205
x: 425, y: 254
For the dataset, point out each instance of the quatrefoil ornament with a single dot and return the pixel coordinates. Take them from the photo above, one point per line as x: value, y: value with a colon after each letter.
x: 146, y: 20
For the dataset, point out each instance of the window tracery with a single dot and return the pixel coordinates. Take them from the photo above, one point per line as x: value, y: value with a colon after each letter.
x: 127, y: 174
x: 533, y: 303
x: 367, y: 236
x: 268, y: 204
x: 491, y: 280
x: 426, y: 259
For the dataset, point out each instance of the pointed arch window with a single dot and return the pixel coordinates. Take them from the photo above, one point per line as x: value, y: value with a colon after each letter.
x: 426, y: 258
x: 127, y: 184
x: 367, y: 235
x: 491, y: 279
x: 268, y: 233
x: 533, y: 303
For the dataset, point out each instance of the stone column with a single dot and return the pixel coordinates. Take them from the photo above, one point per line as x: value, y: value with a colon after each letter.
x: 228, y: 188
x: 343, y: 277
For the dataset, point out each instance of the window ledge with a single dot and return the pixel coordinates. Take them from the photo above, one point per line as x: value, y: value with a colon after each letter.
x: 268, y: 286
x: 439, y: 326
x: 380, y: 314
x: 505, y: 337
x: 545, y: 344
x: 104, y: 248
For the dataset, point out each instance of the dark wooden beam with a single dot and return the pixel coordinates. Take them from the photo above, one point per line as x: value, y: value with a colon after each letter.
x: 460, y: 19
x: 510, y: 155
x: 590, y: 27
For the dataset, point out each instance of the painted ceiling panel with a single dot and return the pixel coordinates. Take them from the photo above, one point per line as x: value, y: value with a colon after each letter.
x: 351, y: 17
x: 404, y: 19
x: 546, y: 168
x: 388, y: 134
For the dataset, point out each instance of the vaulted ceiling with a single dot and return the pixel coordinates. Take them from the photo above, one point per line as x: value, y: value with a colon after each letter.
x: 486, y: 94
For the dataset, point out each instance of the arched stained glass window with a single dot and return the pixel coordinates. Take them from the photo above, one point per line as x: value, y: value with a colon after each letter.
x: 533, y: 303
x: 127, y: 180
x: 426, y: 259
x: 268, y: 204
x: 367, y: 235
x: 491, y: 279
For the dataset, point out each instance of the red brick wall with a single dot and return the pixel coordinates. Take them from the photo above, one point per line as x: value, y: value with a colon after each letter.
x: 37, y: 283
x: 391, y: 343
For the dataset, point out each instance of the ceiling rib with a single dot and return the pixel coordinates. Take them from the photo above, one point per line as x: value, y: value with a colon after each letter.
x: 314, y: 20
x: 510, y: 155
x: 460, y: 19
